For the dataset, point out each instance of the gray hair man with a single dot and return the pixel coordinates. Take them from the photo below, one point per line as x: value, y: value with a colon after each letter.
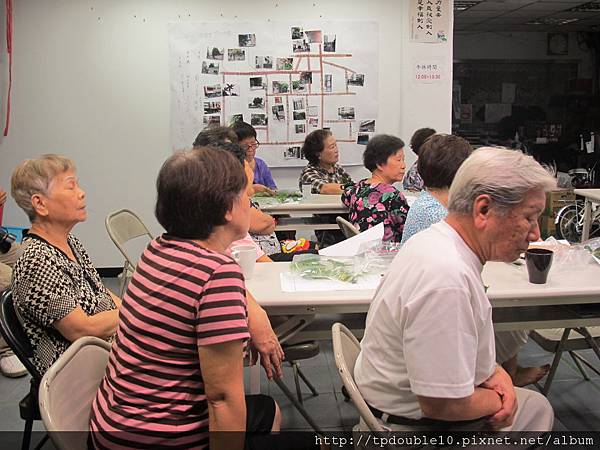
x: 428, y: 358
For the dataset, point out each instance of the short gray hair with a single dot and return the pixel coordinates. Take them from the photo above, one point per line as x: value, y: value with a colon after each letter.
x: 33, y: 176
x: 503, y: 174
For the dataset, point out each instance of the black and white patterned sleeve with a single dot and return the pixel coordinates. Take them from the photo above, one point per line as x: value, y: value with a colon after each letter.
x: 42, y: 291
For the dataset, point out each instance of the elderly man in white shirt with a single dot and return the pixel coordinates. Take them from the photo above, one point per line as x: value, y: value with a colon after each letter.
x: 428, y: 359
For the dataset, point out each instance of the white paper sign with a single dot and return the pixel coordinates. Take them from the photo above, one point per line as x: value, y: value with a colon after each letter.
x: 430, y: 20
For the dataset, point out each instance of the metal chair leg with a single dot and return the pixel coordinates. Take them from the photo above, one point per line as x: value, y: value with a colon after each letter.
x: 579, y: 366
x: 27, y: 435
x: 42, y: 442
x: 308, y: 383
x: 297, y: 382
x: 279, y: 382
x: 557, y: 355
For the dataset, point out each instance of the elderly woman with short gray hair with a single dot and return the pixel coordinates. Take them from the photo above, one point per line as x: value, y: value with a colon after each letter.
x: 56, y: 288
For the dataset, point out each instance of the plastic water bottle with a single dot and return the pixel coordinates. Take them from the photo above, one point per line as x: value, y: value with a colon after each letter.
x: 306, y: 190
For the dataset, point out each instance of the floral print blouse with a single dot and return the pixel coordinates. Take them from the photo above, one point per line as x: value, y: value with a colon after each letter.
x: 371, y: 204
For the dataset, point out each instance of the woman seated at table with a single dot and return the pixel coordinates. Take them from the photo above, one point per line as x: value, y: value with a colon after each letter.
x: 439, y: 159
x: 56, y: 288
x: 263, y: 180
x: 322, y: 171
x: 412, y: 180
x: 175, y: 371
x: 375, y: 200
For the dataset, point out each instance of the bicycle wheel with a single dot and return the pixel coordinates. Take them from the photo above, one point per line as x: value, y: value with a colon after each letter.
x: 568, y: 223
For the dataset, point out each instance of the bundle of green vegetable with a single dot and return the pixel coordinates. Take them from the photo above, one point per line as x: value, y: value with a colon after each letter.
x: 314, y: 266
x: 281, y: 196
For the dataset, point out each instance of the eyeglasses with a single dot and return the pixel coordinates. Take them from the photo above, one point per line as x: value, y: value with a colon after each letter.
x: 253, y: 145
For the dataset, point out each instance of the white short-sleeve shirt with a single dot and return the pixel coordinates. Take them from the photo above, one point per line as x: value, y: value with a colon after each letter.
x: 429, y: 328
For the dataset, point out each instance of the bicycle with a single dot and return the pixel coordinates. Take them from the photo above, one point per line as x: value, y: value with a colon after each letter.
x: 569, y: 222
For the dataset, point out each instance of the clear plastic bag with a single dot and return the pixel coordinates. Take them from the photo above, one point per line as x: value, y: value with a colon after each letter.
x: 314, y: 267
x: 593, y: 246
x: 566, y: 257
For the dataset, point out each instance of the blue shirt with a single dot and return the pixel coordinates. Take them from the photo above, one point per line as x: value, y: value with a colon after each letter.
x: 262, y: 174
x: 425, y: 211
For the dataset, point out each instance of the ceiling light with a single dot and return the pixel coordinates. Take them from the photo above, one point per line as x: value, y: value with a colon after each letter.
x: 460, y: 5
x: 592, y: 7
x: 551, y: 21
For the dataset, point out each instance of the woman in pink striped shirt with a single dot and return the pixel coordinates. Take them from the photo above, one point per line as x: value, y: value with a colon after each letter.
x: 175, y: 370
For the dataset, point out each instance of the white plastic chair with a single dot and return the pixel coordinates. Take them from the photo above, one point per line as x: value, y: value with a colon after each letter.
x: 346, y: 349
x: 124, y: 226
x: 347, y: 228
x: 68, y: 389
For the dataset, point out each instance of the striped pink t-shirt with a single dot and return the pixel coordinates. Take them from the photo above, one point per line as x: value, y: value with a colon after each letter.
x: 181, y: 296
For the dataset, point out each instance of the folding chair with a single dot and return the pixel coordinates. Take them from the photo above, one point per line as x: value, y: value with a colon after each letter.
x: 19, y: 343
x: 559, y: 340
x: 124, y: 226
x: 68, y: 389
x: 346, y: 349
x: 347, y: 228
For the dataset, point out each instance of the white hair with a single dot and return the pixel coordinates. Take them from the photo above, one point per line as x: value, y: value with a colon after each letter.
x: 503, y: 174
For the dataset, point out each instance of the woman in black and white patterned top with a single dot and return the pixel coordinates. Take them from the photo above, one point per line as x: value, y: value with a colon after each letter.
x: 56, y: 288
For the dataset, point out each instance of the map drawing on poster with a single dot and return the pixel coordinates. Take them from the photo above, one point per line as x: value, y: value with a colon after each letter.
x: 285, y: 79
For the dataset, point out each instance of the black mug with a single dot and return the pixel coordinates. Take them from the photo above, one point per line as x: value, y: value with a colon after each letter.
x: 539, y: 261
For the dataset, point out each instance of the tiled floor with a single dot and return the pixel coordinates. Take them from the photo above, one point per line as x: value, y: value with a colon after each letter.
x: 575, y: 401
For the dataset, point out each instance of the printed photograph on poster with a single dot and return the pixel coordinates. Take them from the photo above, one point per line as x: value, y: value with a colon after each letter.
x: 346, y: 112
x: 367, y: 126
x: 297, y: 86
x: 298, y: 103
x: 278, y: 112
x: 280, y: 87
x: 210, y: 68
x: 306, y: 77
x: 300, y: 129
x: 257, y: 83
x: 292, y: 153
x: 285, y: 63
x: 231, y: 90
x: 213, y: 91
x: 329, y: 43
x: 211, y: 120
x: 214, y: 53
x: 328, y: 82
x: 247, y: 40
x: 297, y: 33
x: 356, y: 79
x: 300, y: 46
x: 313, y: 111
x: 236, y: 54
x: 264, y: 62
x: 212, y: 107
x: 236, y: 118
x: 362, y: 139
x: 258, y: 120
x: 299, y: 115
x: 314, y: 37
x: 256, y: 103
x: 313, y: 122
x: 277, y: 100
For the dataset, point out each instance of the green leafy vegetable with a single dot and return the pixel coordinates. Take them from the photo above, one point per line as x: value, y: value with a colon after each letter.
x: 317, y: 267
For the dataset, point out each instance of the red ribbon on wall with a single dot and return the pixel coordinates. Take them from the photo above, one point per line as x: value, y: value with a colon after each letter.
x: 9, y: 52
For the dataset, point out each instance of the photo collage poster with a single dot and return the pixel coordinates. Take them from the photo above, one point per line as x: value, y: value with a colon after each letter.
x: 285, y: 79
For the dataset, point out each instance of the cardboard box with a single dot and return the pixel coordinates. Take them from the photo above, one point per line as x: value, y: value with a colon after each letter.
x: 555, y: 200
x: 547, y: 226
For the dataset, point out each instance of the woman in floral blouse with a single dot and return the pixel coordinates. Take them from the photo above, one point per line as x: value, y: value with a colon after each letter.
x: 375, y: 200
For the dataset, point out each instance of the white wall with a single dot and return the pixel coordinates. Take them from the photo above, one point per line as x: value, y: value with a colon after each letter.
x: 91, y: 81
x: 518, y: 45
